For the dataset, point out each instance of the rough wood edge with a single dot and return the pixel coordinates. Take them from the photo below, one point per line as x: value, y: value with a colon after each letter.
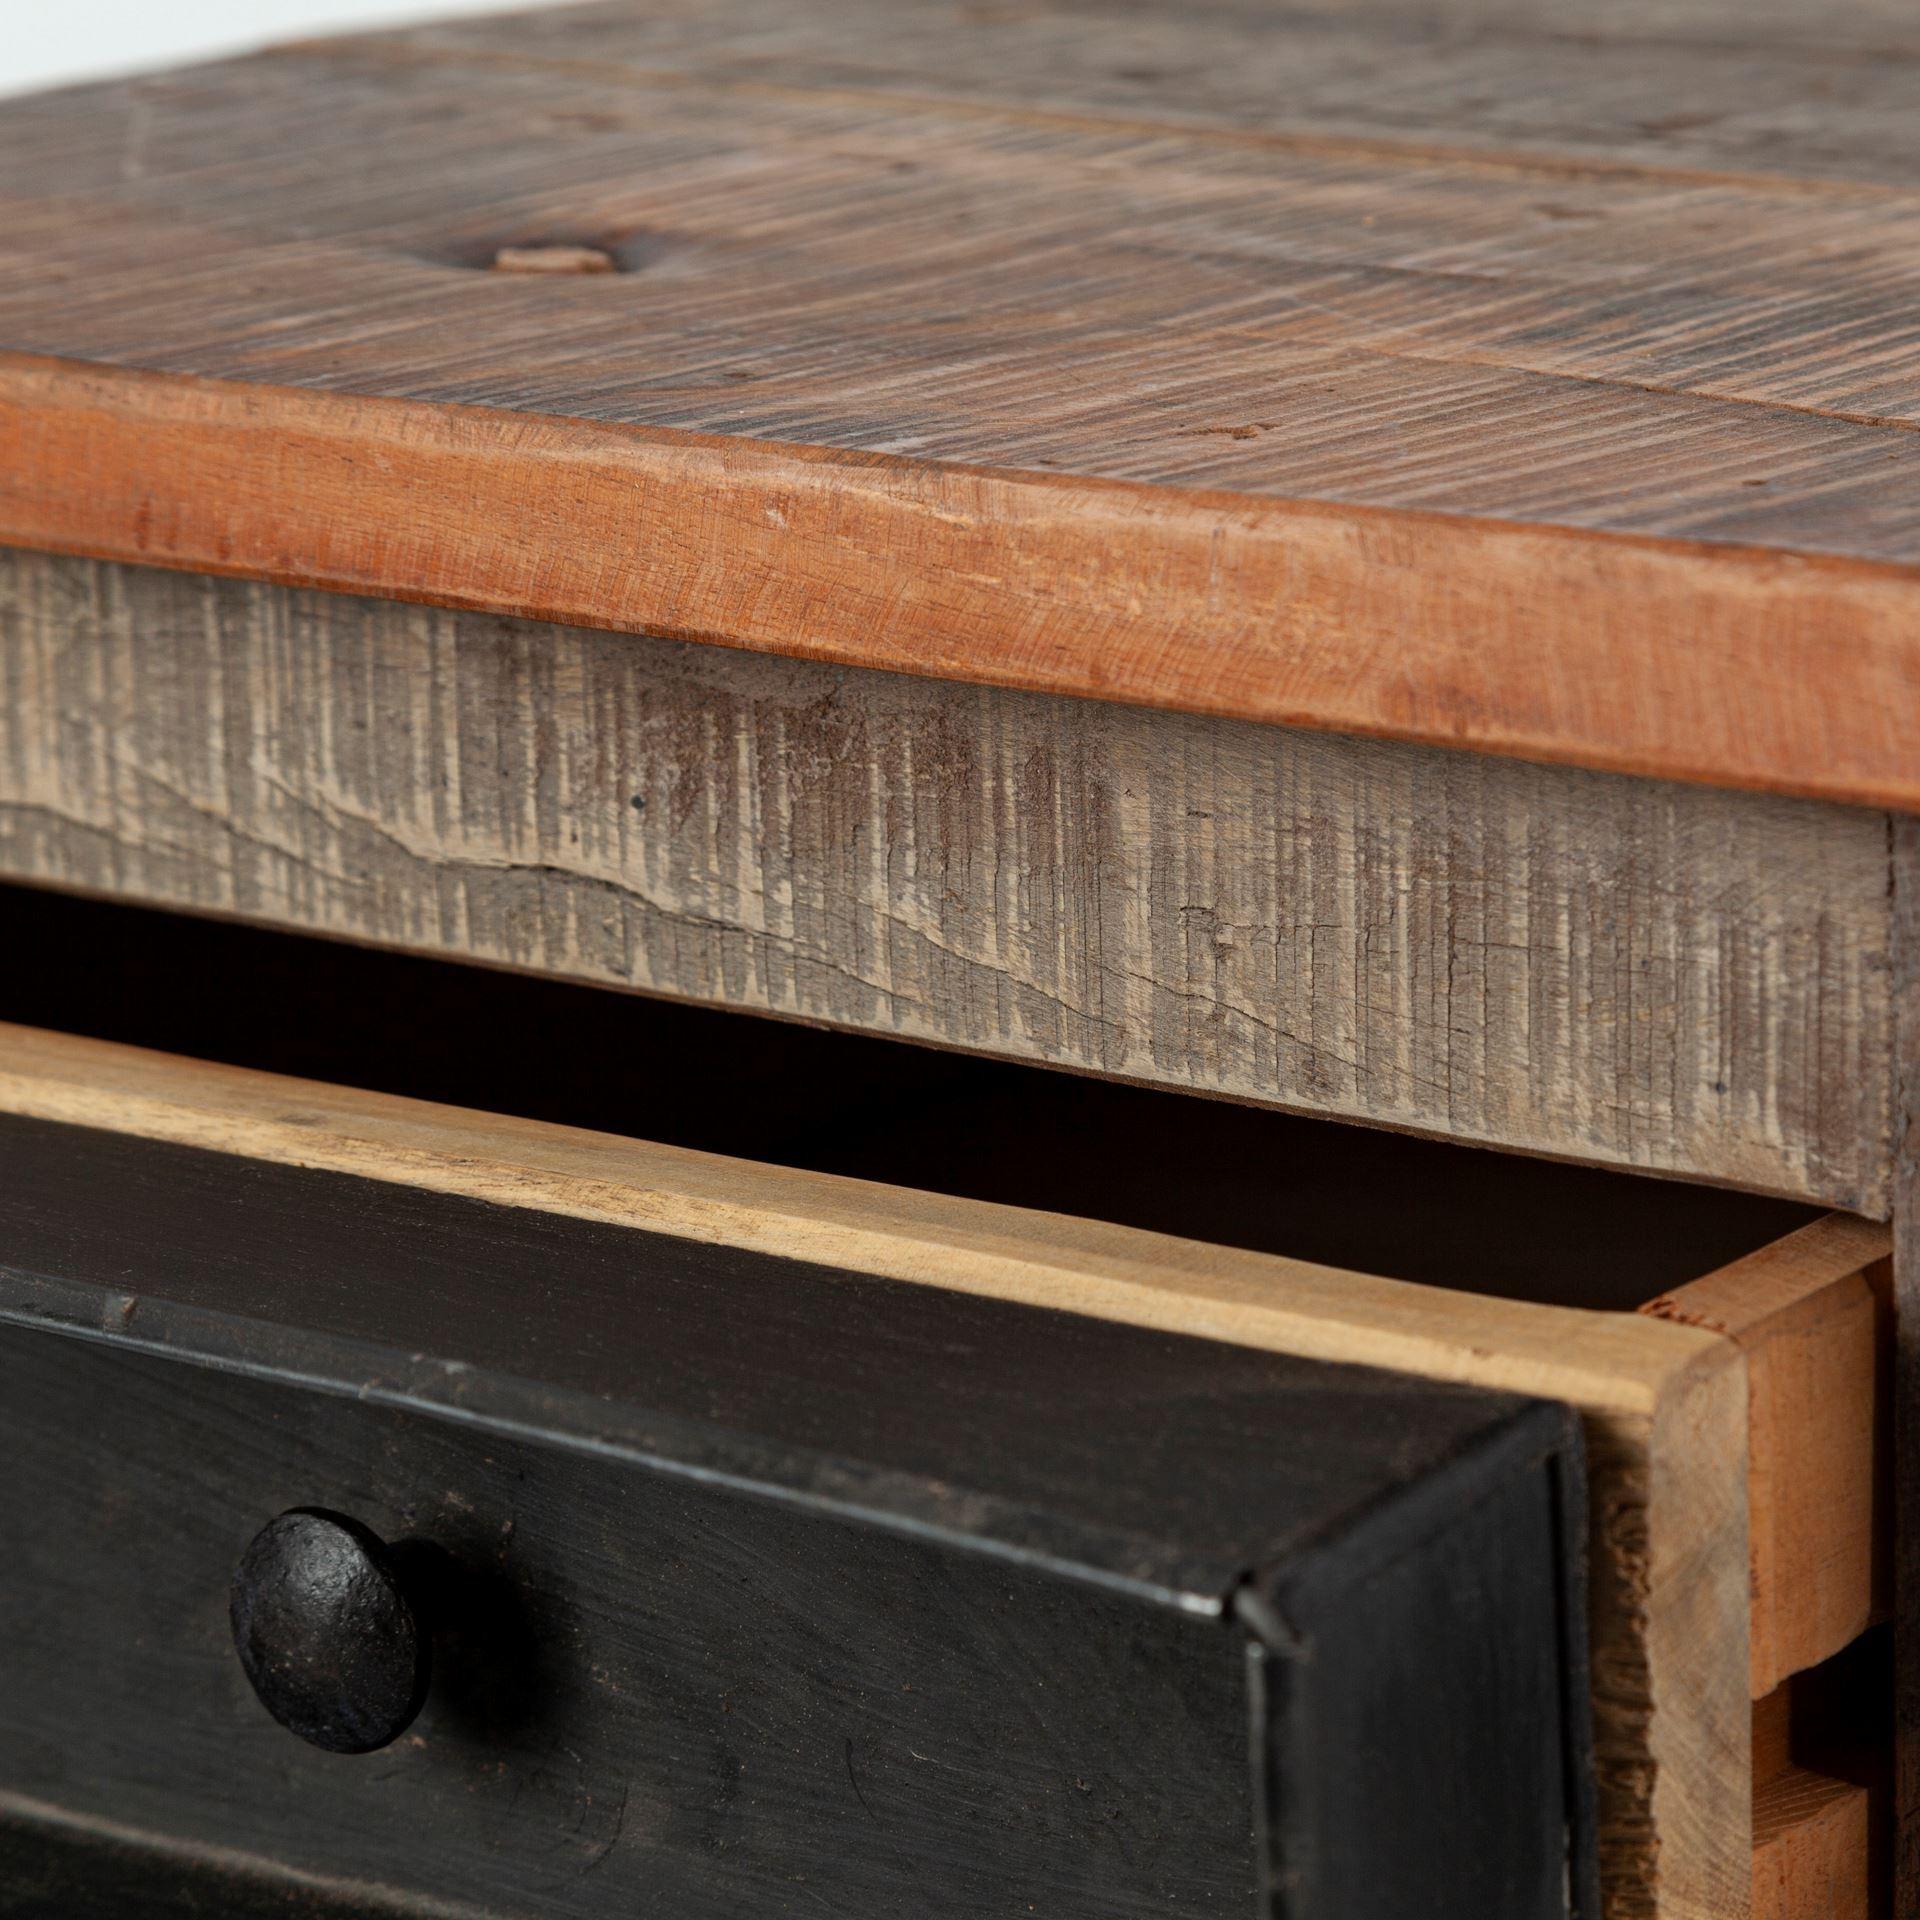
x: 1810, y: 1841
x: 1746, y: 1295
x: 1811, y: 1324
x: 1695, y: 1618
x: 1811, y: 1831
x: 1796, y: 674
x: 1006, y: 1252
x: 1665, y: 1405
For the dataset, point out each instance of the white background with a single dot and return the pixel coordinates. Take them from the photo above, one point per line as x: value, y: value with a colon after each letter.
x: 46, y: 43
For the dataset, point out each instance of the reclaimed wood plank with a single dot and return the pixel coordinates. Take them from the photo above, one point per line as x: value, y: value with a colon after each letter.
x: 1640, y: 974
x: 1812, y: 1313
x: 1594, y: 451
x: 1739, y: 88
x: 1811, y: 1832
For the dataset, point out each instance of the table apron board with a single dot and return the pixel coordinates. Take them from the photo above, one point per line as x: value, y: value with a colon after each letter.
x: 1597, y: 967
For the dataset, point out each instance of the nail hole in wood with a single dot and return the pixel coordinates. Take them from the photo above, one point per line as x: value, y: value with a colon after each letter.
x: 554, y: 259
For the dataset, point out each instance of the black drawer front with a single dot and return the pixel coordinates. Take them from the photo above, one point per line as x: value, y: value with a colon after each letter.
x: 665, y: 1693
x: 1178, y: 1629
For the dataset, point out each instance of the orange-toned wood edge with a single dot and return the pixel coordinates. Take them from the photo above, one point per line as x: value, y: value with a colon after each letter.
x: 1717, y: 664
x: 1813, y: 1314
x: 1811, y: 1833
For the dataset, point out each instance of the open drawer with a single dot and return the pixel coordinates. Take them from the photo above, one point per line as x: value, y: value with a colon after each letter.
x: 589, y: 1572
x: 1726, y: 1352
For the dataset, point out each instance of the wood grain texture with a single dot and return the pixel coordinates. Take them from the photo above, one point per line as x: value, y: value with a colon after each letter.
x: 869, y: 1108
x: 1664, y: 1405
x: 1754, y: 89
x: 1811, y: 1832
x: 1810, y: 1848
x: 1540, y: 383
x: 929, y: 1118
x: 1597, y: 968
x: 1813, y: 1315
x: 1510, y: 640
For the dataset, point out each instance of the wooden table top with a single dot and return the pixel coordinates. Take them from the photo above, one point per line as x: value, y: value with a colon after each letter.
x: 1539, y: 379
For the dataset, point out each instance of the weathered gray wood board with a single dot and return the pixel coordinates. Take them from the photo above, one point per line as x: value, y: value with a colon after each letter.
x: 1624, y: 971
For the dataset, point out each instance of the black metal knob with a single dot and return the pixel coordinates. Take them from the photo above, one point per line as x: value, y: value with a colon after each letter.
x: 336, y: 1644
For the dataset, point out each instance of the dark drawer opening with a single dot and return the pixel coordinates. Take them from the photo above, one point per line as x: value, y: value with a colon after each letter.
x: 876, y: 1109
